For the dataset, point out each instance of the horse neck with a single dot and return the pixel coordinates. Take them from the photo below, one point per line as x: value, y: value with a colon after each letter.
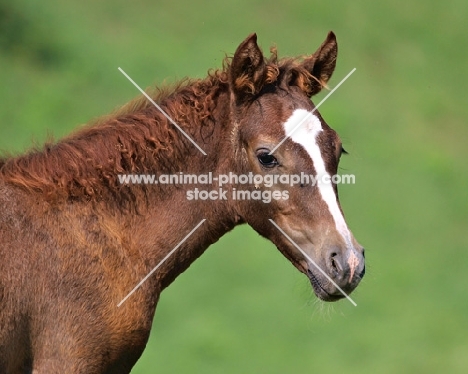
x: 168, y: 216
x: 147, y: 221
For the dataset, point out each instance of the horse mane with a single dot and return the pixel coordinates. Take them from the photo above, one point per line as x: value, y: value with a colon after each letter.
x: 134, y: 139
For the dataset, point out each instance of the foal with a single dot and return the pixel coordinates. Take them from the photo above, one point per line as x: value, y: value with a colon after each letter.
x: 75, y: 240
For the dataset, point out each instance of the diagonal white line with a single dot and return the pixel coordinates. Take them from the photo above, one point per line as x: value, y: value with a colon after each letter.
x: 161, y: 262
x: 312, y: 112
x: 162, y: 111
x: 313, y: 262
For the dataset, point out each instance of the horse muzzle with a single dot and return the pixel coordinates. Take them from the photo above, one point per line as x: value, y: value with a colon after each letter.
x: 338, y: 274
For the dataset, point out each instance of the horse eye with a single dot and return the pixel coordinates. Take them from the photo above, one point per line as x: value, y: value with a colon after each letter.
x: 266, y: 159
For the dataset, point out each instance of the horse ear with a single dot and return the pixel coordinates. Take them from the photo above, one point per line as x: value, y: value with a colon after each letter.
x: 321, y: 65
x: 248, y: 69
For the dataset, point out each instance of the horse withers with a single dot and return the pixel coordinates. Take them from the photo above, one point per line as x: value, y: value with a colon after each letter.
x: 75, y: 240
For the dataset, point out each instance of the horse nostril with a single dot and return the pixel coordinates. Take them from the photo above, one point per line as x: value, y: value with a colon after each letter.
x: 335, y: 263
x: 344, y: 266
x: 363, y: 272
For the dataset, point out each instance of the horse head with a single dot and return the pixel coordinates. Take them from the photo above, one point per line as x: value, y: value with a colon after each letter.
x: 281, y: 139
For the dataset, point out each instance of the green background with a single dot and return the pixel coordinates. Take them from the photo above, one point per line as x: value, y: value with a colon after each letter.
x: 242, y: 308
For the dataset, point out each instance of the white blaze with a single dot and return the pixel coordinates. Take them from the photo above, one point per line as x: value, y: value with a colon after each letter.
x: 303, y: 128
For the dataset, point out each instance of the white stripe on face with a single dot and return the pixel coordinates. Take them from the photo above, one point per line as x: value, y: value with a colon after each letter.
x: 303, y: 128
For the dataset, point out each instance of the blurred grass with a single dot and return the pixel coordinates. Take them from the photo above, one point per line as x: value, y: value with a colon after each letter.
x: 242, y: 308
